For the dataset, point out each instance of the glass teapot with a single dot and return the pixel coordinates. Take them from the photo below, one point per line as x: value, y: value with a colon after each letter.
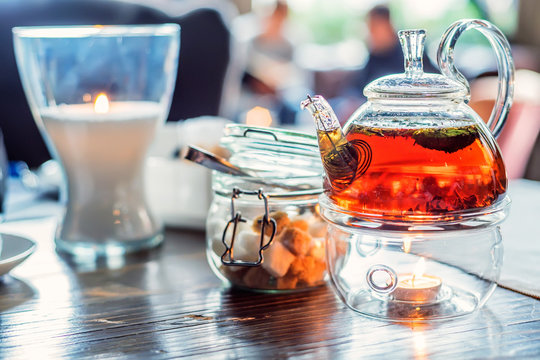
x: 415, y: 188
x: 416, y: 148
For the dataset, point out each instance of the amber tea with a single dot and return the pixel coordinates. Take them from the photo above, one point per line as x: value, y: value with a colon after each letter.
x: 419, y: 171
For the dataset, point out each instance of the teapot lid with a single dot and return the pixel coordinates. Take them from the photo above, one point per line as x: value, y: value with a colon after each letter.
x: 414, y: 82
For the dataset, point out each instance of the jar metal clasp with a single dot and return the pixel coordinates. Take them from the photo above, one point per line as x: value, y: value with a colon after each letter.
x: 236, y: 217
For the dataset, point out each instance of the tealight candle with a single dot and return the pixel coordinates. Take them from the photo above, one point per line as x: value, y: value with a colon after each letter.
x: 417, y: 287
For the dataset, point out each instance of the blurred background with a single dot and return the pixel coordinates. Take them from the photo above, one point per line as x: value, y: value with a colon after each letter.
x: 254, y: 60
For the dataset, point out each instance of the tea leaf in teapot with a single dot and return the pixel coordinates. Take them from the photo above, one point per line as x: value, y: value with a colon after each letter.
x: 448, y: 140
x: 370, y: 131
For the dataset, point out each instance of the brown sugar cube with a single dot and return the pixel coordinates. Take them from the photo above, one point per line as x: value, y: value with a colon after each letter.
x: 317, y: 249
x: 288, y: 281
x: 296, y: 240
x: 281, y: 218
x: 300, y: 224
x: 234, y: 274
x: 298, y: 266
x: 308, y: 269
x: 316, y: 272
x: 257, y: 278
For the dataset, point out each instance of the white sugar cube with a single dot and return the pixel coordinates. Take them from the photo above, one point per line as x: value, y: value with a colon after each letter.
x: 240, y: 228
x: 318, y: 229
x: 215, y: 231
x: 246, y: 246
x: 277, y: 259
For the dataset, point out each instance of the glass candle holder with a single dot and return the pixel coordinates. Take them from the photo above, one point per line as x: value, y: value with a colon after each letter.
x: 97, y: 94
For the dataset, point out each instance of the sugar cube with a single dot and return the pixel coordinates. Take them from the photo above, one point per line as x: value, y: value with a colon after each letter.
x: 277, y: 259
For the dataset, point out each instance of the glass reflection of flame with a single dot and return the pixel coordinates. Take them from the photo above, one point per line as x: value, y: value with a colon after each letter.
x: 419, y: 344
x: 418, y: 270
x: 406, y: 245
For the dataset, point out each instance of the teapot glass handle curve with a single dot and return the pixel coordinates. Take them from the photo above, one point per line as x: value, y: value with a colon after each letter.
x: 505, y: 65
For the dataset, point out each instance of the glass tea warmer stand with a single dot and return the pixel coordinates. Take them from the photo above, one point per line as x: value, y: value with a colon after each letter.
x: 415, y: 188
x: 97, y: 94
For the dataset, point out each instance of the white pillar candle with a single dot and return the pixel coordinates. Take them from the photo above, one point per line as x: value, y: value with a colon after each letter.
x: 102, y: 151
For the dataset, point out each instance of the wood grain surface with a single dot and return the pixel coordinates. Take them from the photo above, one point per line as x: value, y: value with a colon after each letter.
x: 167, y: 304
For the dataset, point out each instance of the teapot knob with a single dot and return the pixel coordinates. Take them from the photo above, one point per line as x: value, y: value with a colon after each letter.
x: 505, y: 65
x: 412, y: 44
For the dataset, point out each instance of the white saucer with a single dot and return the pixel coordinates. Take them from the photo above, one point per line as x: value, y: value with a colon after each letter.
x: 14, y: 250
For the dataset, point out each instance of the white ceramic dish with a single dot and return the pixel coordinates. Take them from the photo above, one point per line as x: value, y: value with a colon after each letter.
x: 179, y: 192
x: 15, y: 249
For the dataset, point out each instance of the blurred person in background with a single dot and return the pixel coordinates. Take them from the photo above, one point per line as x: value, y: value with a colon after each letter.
x: 385, y: 58
x: 385, y: 54
x: 270, y: 68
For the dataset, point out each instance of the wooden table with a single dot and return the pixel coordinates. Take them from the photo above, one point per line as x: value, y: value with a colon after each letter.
x: 167, y: 304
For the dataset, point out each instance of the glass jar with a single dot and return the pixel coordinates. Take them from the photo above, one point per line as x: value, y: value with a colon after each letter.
x: 435, y: 268
x: 265, y: 233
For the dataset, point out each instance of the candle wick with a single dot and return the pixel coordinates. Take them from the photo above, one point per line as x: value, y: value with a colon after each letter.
x: 412, y: 280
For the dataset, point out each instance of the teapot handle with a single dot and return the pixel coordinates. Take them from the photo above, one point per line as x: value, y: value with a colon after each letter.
x: 505, y: 65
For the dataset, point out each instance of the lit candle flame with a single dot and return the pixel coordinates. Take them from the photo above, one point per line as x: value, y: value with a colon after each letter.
x: 417, y: 286
x: 258, y: 116
x: 101, y: 105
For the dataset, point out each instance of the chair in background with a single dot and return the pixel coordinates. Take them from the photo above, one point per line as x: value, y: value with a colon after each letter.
x: 204, y: 60
x: 518, y: 138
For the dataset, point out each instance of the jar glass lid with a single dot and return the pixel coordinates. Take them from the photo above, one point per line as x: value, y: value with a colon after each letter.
x: 273, y: 152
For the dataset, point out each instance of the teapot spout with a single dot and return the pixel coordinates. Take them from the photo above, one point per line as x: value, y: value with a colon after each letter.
x: 341, y: 160
x: 324, y: 116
